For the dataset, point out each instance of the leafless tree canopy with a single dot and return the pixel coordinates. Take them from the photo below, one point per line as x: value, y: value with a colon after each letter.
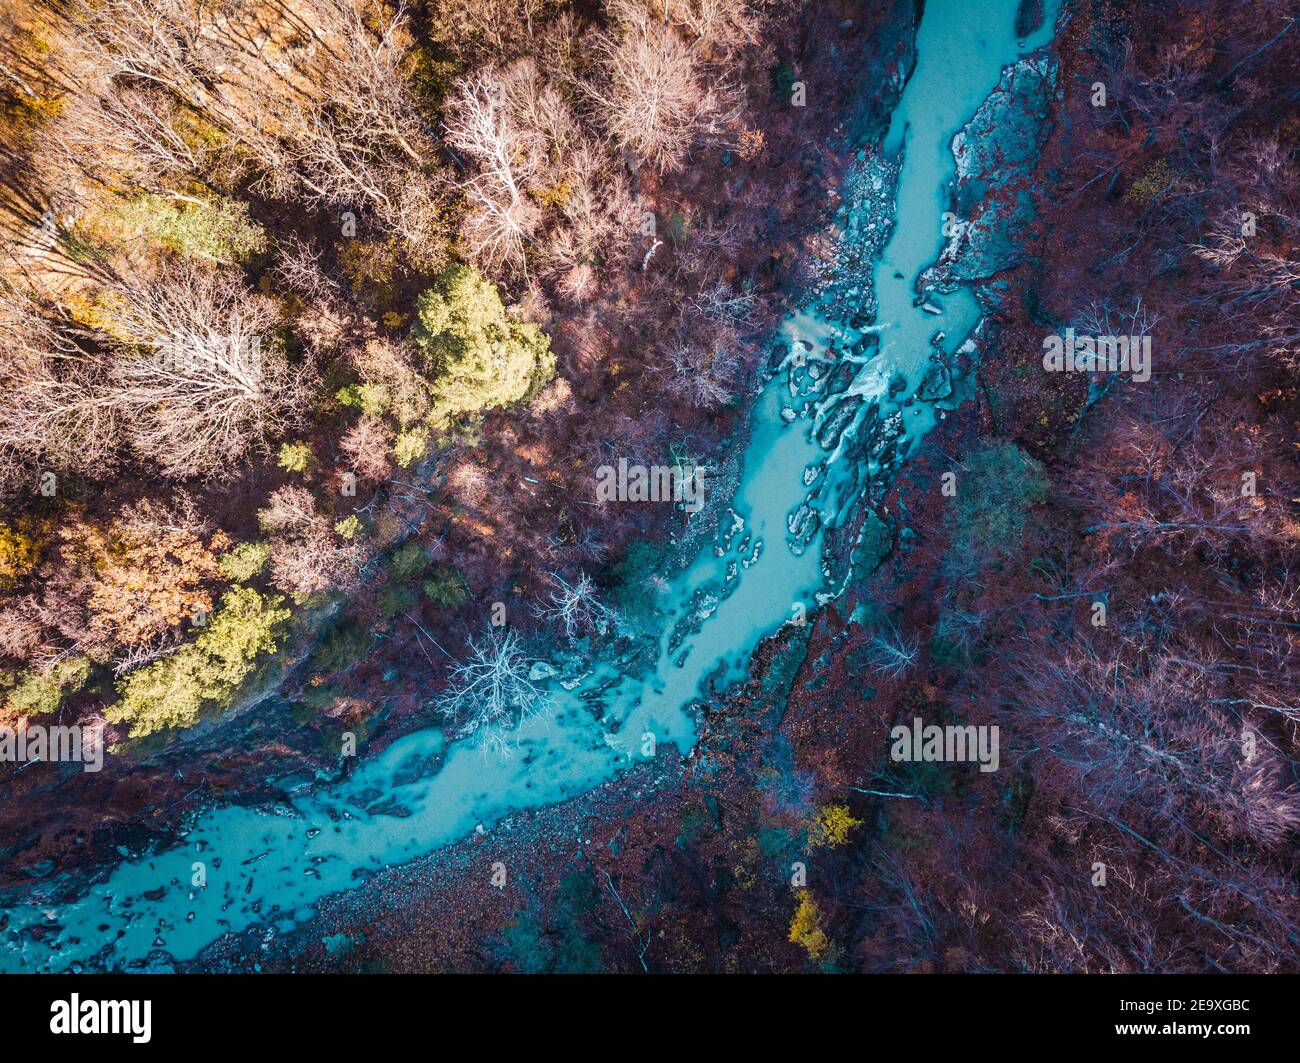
x: 191, y: 377
x: 307, y: 556
x: 199, y: 378
x: 575, y: 606
x: 326, y: 114
x: 659, y: 95
x: 507, y: 154
x: 490, y: 691
x: 55, y: 405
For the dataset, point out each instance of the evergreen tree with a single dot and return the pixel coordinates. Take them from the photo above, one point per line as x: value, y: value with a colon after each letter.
x: 476, y: 356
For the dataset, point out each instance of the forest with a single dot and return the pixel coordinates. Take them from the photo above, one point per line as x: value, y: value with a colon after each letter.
x: 268, y: 265
x: 320, y: 319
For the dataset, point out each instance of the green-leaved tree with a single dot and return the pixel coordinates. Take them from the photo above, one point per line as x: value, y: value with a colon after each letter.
x: 476, y: 356
x: 206, y: 673
x: 996, y: 489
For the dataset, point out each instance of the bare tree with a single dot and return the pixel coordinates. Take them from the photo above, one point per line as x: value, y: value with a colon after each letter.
x: 362, y: 137
x: 702, y: 365
x: 595, y: 219
x: 366, y: 447
x: 724, y: 24
x: 1101, y: 319
x: 307, y: 556
x: 491, y: 692
x: 1186, y: 498
x: 137, y: 656
x: 179, y: 45
x: 416, y: 211
x: 493, y: 27
x: 367, y: 80
x: 289, y: 510
x: 469, y: 482
x: 538, y: 109
x: 721, y: 303
x: 301, y: 270
x: 891, y: 652
x: 502, y: 216
x: 332, y: 120
x: 54, y: 404
x: 131, y: 132
x: 1150, y: 737
x: 1254, y: 274
x: 576, y: 607
x: 198, y: 378
x: 149, y: 63
x: 658, y: 96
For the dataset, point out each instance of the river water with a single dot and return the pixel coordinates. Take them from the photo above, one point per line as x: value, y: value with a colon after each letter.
x: 269, y: 866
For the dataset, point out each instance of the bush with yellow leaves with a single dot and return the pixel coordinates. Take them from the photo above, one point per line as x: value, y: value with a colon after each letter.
x: 19, y: 553
x: 805, y: 927
x: 831, y: 827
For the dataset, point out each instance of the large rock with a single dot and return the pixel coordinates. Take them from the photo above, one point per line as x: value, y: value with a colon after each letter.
x: 996, y: 153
